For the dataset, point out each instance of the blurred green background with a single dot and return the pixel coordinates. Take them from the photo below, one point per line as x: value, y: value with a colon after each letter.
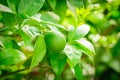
x: 105, y: 35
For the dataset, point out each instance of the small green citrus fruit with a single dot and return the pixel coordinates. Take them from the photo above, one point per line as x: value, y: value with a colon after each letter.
x: 55, y: 40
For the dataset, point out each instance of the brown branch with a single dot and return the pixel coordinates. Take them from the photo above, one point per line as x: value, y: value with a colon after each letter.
x: 109, y: 30
x: 11, y: 73
x: 7, y: 74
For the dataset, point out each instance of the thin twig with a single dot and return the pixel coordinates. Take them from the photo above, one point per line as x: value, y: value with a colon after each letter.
x: 11, y: 73
x: 7, y: 74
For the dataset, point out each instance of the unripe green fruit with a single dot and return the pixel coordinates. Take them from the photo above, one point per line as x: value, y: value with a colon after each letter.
x: 55, y: 40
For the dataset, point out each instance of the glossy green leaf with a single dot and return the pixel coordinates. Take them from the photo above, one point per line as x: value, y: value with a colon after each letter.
x: 52, y: 3
x: 78, y: 72
x: 73, y: 55
x: 26, y: 37
x: 61, y: 8
x: 30, y: 7
x: 11, y: 56
x: 86, y: 47
x: 81, y: 31
x: 49, y: 17
x: 58, y: 62
x: 77, y: 33
x: 5, y: 9
x: 39, y: 51
x: 13, y: 4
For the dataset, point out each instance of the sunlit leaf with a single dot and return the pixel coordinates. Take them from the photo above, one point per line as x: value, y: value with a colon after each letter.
x: 39, y: 51
x: 5, y: 9
x: 50, y: 17
x: 86, y: 47
x: 30, y: 7
x: 79, y: 32
x: 11, y: 56
x: 73, y: 55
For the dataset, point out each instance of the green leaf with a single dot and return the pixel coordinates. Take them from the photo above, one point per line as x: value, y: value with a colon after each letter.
x: 11, y: 56
x: 9, y: 19
x: 78, y: 72
x: 71, y: 7
x: 26, y: 37
x: 61, y: 8
x: 30, y: 7
x: 73, y: 55
x: 6, y: 42
x: 49, y: 17
x: 71, y: 34
x: 32, y: 22
x: 13, y: 4
x: 77, y: 33
x: 58, y: 26
x: 37, y: 24
x: 86, y: 47
x: 39, y: 51
x: 115, y: 64
x: 58, y: 61
x: 5, y: 9
x: 77, y: 3
x: 52, y: 3
x: 73, y: 4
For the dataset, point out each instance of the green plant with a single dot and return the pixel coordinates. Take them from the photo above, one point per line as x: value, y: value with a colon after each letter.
x: 32, y: 30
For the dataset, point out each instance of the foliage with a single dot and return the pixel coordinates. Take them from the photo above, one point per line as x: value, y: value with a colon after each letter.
x: 51, y: 39
x: 38, y: 32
